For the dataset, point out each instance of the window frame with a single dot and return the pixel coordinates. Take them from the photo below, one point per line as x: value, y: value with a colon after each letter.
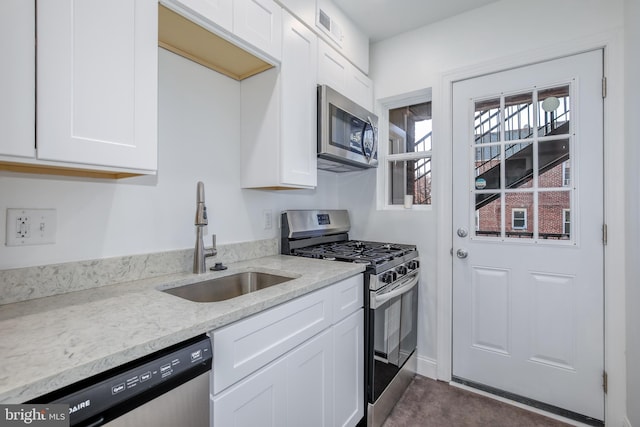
x: 524, y: 218
x: 385, y: 159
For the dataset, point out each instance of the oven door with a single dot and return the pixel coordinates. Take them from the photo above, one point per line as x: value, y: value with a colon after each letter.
x: 394, y: 310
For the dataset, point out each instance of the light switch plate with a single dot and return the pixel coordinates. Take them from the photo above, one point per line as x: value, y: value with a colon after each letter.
x: 30, y: 227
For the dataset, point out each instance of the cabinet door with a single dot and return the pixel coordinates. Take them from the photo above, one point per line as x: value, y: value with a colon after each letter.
x: 17, y: 78
x: 259, y: 400
x: 218, y: 12
x: 310, y: 382
x: 259, y: 23
x: 332, y: 68
x: 349, y: 370
x: 265, y: 336
x: 298, y: 78
x: 97, y: 82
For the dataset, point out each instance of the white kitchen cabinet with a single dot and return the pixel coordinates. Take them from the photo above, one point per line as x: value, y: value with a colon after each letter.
x: 337, y: 72
x: 217, y: 12
x: 310, y: 376
x: 97, y: 83
x: 262, y: 338
x: 296, y: 390
x: 17, y: 103
x: 259, y: 22
x: 348, y: 338
x: 278, y: 110
x: 254, y: 26
x: 260, y: 400
x: 299, y: 363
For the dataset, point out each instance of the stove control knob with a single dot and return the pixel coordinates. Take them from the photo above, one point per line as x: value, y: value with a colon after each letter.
x: 413, y: 264
x: 388, y: 277
x: 402, y: 270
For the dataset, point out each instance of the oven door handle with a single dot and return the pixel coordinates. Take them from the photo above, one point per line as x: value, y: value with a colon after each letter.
x: 405, y: 286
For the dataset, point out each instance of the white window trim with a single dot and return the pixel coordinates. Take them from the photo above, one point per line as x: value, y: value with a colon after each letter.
x: 382, y: 108
x: 564, y: 174
x: 513, y: 215
x: 564, y: 223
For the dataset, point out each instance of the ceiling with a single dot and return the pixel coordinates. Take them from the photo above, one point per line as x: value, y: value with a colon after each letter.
x: 381, y: 19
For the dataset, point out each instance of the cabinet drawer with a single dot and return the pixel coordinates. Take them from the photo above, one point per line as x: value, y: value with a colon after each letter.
x: 347, y: 297
x: 245, y: 346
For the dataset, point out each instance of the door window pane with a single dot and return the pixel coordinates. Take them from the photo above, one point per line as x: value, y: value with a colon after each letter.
x: 518, y: 120
x: 487, y: 121
x: 488, y: 215
x: 520, y: 221
x: 552, y: 155
x: 554, y: 111
x: 518, y: 165
x: 487, y: 161
x: 553, y: 214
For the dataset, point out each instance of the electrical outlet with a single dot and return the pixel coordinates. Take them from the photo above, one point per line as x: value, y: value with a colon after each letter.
x: 30, y: 227
x: 268, y: 219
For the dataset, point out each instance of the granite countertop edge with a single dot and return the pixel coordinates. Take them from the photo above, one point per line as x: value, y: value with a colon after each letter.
x: 49, y: 343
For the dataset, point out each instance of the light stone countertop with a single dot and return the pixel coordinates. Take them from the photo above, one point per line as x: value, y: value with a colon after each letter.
x: 48, y: 343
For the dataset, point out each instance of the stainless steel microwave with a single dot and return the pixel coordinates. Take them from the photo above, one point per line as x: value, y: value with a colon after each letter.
x: 347, y: 133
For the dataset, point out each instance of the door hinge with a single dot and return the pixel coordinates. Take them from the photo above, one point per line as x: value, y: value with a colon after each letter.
x: 605, y: 381
x: 605, y: 234
x: 604, y: 87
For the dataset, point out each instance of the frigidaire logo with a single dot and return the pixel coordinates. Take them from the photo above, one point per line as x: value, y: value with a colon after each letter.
x: 79, y: 406
x: 34, y: 415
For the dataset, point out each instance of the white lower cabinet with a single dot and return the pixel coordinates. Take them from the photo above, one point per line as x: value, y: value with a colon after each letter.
x: 348, y: 384
x: 296, y: 390
x: 308, y: 379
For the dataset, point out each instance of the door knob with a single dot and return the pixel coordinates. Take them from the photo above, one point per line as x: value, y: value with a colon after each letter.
x: 462, y: 253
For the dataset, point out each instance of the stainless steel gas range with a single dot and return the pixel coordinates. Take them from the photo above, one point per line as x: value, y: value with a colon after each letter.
x: 391, y: 298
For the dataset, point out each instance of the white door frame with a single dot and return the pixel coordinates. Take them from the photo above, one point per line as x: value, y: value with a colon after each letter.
x: 614, y: 201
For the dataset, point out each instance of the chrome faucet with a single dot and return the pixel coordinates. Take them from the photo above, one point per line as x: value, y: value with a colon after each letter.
x: 200, y: 253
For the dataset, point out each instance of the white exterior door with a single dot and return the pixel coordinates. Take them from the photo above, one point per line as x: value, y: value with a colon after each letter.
x: 528, y: 238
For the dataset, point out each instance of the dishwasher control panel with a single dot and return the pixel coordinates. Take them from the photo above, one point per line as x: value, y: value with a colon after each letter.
x: 118, y: 390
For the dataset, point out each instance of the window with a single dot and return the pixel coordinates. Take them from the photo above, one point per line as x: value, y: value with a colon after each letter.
x: 519, y: 219
x: 566, y: 174
x: 566, y: 222
x: 408, y: 154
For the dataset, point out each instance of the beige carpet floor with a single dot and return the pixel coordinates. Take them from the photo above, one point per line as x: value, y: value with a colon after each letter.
x: 430, y: 403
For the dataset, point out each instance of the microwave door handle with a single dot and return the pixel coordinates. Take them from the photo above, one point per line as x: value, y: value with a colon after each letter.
x: 362, y: 147
x: 374, y: 133
x: 409, y: 283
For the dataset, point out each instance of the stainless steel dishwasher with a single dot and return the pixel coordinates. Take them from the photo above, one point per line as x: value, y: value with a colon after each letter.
x: 167, y: 388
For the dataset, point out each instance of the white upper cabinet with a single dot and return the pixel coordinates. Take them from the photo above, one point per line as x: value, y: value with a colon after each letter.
x: 259, y: 22
x: 97, y: 82
x: 17, y: 103
x: 253, y: 25
x: 219, y: 12
x: 279, y: 116
x: 337, y: 72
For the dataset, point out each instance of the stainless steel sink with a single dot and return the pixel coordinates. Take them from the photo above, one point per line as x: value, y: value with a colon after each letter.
x: 227, y: 287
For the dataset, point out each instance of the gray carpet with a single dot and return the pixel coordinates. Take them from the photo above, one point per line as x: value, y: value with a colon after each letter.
x: 430, y: 403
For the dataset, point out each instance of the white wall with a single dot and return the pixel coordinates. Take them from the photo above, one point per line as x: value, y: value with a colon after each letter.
x: 418, y: 59
x: 632, y: 109
x: 199, y: 134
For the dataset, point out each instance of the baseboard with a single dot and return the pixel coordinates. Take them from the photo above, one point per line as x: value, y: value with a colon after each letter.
x: 427, y: 367
x: 626, y: 422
